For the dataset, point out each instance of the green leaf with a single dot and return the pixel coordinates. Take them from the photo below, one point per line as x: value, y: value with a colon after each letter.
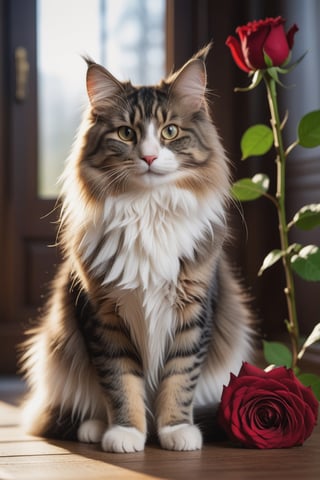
x: 248, y: 189
x: 267, y: 60
x: 306, y: 263
x: 270, y: 260
x: 309, y: 130
x: 311, y: 380
x: 257, y: 140
x: 307, y: 217
x: 277, y: 353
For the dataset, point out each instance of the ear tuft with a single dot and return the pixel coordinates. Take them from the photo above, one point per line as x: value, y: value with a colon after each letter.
x: 102, y: 86
x: 89, y: 61
x: 203, y: 52
x: 189, y: 84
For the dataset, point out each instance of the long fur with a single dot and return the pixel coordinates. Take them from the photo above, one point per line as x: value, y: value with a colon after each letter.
x: 145, y: 314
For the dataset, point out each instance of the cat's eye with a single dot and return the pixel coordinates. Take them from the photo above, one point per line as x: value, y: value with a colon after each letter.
x: 126, y: 134
x: 170, y: 132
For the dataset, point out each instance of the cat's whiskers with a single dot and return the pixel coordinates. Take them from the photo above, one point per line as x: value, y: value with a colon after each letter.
x: 118, y: 178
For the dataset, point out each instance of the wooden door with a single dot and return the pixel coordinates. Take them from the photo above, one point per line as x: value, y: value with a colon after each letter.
x: 26, y: 263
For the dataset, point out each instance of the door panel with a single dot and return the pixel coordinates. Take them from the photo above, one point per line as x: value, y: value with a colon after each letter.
x: 21, y: 205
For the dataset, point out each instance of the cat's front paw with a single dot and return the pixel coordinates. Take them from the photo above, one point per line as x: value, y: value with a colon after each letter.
x: 180, y: 437
x: 91, y: 431
x: 123, y: 440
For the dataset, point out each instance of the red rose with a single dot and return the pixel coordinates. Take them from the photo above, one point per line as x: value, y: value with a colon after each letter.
x: 267, y: 409
x: 259, y: 37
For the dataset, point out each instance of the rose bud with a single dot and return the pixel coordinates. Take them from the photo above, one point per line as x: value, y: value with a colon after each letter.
x: 258, y: 38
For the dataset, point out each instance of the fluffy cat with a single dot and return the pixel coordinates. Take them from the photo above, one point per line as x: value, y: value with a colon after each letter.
x: 145, y: 317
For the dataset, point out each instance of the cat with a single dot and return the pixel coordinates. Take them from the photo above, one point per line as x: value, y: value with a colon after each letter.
x: 145, y: 318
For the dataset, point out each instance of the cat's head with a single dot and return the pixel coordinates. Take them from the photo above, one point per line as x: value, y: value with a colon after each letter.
x: 143, y: 137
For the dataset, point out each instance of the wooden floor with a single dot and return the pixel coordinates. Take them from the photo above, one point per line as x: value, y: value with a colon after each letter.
x: 24, y: 457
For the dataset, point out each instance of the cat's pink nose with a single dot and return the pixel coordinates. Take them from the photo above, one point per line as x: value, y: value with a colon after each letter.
x: 149, y: 158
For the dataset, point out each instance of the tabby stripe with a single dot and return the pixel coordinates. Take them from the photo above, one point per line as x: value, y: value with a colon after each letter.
x: 198, y: 322
x: 183, y: 353
x: 186, y: 403
x: 147, y: 97
x: 115, y: 355
x: 161, y: 114
x: 189, y: 388
x: 194, y: 132
x: 186, y: 327
x: 173, y: 372
x: 117, y: 405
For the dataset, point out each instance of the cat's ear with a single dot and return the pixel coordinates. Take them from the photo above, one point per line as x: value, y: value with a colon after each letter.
x: 189, y: 84
x: 102, y: 86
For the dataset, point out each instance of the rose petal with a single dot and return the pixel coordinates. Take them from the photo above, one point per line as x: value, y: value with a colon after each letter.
x: 279, y: 373
x: 251, y: 370
x: 290, y: 35
x: 310, y: 399
x: 235, y: 48
x: 292, y: 386
x: 310, y: 421
x: 252, y: 427
x: 253, y: 46
x: 263, y: 386
x: 276, y: 45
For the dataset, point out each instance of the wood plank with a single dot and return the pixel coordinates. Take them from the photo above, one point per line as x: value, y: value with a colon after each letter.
x: 15, y: 434
x: 223, y: 461
x: 25, y: 457
x: 70, y: 467
x: 23, y: 448
x: 214, y: 461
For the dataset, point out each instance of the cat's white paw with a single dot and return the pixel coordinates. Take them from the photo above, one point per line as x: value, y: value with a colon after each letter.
x: 91, y: 431
x: 180, y: 437
x: 123, y: 440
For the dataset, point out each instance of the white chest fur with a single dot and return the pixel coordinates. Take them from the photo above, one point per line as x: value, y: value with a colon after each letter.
x: 148, y: 233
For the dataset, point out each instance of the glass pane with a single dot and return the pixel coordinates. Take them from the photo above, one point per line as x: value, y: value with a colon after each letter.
x: 127, y: 36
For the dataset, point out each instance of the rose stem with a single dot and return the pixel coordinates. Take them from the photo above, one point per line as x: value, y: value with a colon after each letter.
x: 292, y: 324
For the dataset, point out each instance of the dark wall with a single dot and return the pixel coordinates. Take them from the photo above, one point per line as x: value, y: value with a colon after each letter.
x: 254, y: 224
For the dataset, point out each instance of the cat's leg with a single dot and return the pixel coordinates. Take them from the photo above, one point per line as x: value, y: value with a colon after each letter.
x: 124, y: 396
x: 174, y: 405
x: 123, y: 390
x: 126, y: 409
x: 119, y: 370
x: 175, y: 399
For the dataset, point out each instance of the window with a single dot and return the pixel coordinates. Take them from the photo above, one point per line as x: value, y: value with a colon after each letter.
x: 126, y: 36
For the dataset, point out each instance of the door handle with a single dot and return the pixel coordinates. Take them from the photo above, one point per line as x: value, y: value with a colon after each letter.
x: 22, y: 73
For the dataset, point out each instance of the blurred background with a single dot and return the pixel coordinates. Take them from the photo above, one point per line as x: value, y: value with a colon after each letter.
x: 42, y: 97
